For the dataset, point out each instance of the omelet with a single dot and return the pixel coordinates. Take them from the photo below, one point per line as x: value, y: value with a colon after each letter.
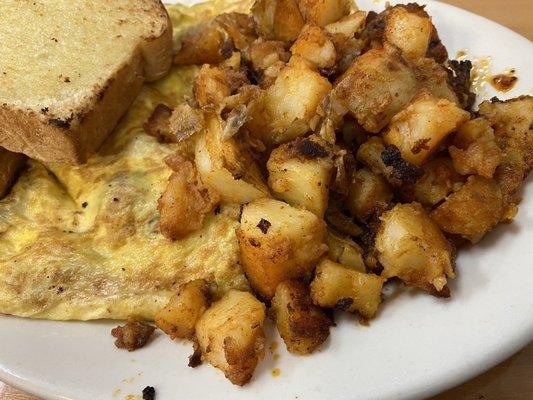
x: 83, y: 243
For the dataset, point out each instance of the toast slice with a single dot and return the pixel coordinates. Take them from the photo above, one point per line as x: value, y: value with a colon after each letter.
x: 70, y: 69
x: 10, y: 165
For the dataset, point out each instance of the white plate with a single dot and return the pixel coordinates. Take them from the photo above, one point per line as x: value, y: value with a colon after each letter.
x: 417, y: 346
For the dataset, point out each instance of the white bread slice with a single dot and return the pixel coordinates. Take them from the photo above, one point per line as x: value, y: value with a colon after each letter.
x: 10, y: 164
x: 70, y: 69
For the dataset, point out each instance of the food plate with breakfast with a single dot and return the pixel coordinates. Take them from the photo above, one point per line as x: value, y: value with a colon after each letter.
x: 280, y: 198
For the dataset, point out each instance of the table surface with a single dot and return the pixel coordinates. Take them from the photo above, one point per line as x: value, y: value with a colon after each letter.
x: 513, y: 379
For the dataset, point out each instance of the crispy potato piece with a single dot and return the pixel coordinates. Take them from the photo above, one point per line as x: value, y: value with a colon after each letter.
x: 230, y: 335
x: 289, y: 105
x: 323, y: 12
x: 410, y: 32
x: 210, y: 87
x: 314, y: 45
x: 227, y: 166
x: 411, y: 247
x: 473, y: 210
x: 178, y: 318
x: 376, y: 86
x: 277, y: 243
x: 185, y: 202
x: 418, y: 130
x: 336, y: 286
x: 433, y: 77
x: 132, y: 336
x: 512, y: 121
x: 265, y: 53
x: 344, y: 251
x: 201, y: 43
x: 302, y: 325
x: 278, y: 19
x: 300, y: 172
x: 369, y: 194
x: 438, y: 181
x: 347, y: 26
x: 369, y: 153
x: 474, y: 149
x: 177, y: 125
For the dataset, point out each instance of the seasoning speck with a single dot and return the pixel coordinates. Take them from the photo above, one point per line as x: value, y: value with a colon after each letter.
x: 84, y: 204
x: 264, y: 225
x: 273, y: 346
x: 276, y: 372
x: 148, y: 393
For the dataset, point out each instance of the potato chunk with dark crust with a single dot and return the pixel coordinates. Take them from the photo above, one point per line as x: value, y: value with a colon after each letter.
x: 369, y: 194
x: 178, y: 318
x: 286, y: 246
x: 302, y: 325
x: 186, y: 200
x: 512, y: 121
x: 418, y: 130
x: 473, y: 210
x: 376, y: 86
x: 230, y: 335
x: 132, y: 336
x: 300, y: 173
x: 315, y: 46
x: 474, y: 149
x: 336, y: 286
x: 411, y: 247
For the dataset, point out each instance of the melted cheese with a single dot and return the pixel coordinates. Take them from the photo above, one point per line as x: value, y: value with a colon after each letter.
x: 82, y: 242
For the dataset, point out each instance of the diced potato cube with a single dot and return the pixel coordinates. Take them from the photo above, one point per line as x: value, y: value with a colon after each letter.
x: 369, y: 153
x: 347, y: 26
x: 186, y: 201
x: 227, y: 166
x: 411, y: 247
x: 345, y: 251
x: 474, y: 149
x: 302, y: 325
x: 473, y: 210
x: 344, y: 288
x: 315, y: 46
x: 376, y: 86
x: 410, y: 32
x: 300, y: 172
x: 435, y: 78
x: 178, y: 318
x: 278, y: 242
x: 289, y: 104
x: 201, y: 43
x: 369, y: 194
x: 278, y: 19
x: 210, y: 87
x: 438, y: 181
x: 230, y: 335
x: 512, y: 121
x: 419, y: 130
x: 323, y: 12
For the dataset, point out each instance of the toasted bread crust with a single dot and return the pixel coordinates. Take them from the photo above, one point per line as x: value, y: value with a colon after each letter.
x: 10, y: 164
x: 70, y: 135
